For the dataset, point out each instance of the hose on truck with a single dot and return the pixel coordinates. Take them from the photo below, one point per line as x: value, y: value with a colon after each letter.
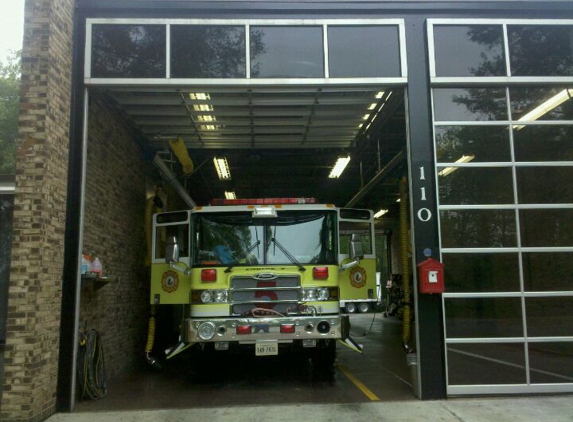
x: 404, y: 249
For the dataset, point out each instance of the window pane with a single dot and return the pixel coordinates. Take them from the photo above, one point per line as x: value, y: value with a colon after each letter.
x: 469, y: 104
x: 128, y: 51
x: 545, y: 185
x: 543, y: 143
x: 472, y: 185
x: 481, y: 272
x: 478, y: 228
x: 548, y: 271
x: 551, y: 362
x: 483, y: 317
x: 548, y: 227
x: 200, y: 51
x: 485, y: 143
x: 541, y: 103
x: 469, y: 50
x: 286, y: 52
x: 363, y: 51
x: 347, y: 229
x: 491, y: 363
x: 549, y: 316
x: 541, y: 50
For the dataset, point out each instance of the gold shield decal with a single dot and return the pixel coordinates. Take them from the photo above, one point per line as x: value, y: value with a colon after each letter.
x: 358, y: 277
x: 170, y: 281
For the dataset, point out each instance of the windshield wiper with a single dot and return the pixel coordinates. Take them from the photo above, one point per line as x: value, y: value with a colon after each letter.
x: 251, y: 248
x: 288, y: 255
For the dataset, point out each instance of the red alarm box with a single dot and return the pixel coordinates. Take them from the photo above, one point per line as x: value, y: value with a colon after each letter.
x: 431, y: 276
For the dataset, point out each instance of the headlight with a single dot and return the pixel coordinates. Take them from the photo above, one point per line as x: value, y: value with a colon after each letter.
x: 220, y: 296
x: 314, y: 294
x: 206, y: 331
x: 206, y: 296
x: 323, y: 293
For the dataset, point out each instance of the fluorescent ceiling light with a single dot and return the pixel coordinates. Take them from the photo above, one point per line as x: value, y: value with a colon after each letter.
x: 379, y: 95
x: 203, y: 107
x: 398, y: 200
x: 372, y: 106
x: 380, y: 213
x: 206, y: 118
x: 365, y: 117
x: 230, y: 195
x: 199, y: 96
x: 463, y: 159
x: 222, y: 168
x: 339, y: 167
x: 546, y: 107
x: 208, y: 127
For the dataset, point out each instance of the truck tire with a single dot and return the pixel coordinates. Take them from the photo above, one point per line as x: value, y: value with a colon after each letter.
x: 324, y: 355
x: 364, y: 307
x: 350, y: 307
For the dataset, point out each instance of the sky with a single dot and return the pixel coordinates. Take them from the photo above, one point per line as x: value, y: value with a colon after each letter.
x: 11, y: 27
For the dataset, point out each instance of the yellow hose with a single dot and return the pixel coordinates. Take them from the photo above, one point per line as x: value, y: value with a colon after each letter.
x: 180, y: 150
x: 151, y: 331
x: 404, y: 246
x: 149, y: 209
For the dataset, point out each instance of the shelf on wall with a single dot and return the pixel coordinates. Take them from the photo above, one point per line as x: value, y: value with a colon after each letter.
x: 96, y: 282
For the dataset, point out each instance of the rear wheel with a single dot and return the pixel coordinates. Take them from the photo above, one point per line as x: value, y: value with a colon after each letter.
x: 364, y: 307
x: 350, y: 307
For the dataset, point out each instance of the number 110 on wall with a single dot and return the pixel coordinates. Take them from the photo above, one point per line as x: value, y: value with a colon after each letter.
x: 423, y: 214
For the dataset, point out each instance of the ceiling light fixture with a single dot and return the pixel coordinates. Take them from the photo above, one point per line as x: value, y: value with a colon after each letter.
x: 379, y: 95
x: 230, y: 195
x: 372, y: 106
x: 339, y: 167
x: 199, y: 96
x: 206, y: 118
x: 203, y: 107
x: 365, y: 117
x: 380, y: 213
x: 222, y: 168
x: 546, y: 107
x: 463, y: 159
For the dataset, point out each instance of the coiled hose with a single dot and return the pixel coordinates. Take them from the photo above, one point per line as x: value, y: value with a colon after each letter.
x: 404, y: 246
x: 91, y: 366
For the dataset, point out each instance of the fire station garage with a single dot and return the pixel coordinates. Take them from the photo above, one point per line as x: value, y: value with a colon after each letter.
x: 330, y: 202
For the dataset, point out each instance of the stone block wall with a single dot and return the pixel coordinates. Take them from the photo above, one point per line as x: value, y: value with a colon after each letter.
x: 34, y: 295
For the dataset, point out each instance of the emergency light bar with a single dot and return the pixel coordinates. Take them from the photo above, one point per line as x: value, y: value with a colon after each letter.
x: 264, y: 201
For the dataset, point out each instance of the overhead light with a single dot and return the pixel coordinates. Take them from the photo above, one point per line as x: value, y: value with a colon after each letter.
x: 372, y: 106
x: 208, y: 127
x: 463, y: 159
x: 199, y: 96
x: 339, y: 167
x: 365, y: 117
x: 230, y: 195
x: 222, y: 168
x: 546, y: 107
x: 206, y: 118
x: 398, y: 200
x: 203, y: 107
x: 379, y: 95
x: 360, y: 125
x: 380, y: 213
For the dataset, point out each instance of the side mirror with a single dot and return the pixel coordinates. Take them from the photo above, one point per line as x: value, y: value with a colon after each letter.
x: 172, y: 251
x: 356, y: 249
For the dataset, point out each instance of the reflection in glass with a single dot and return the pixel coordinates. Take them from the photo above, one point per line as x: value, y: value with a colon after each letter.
x: 551, y: 362
x: 286, y: 52
x: 478, y: 228
x: 469, y: 50
x: 128, y: 51
x: 546, y: 227
x: 201, y: 51
x: 543, y: 143
x: 541, y: 50
x: 548, y: 271
x: 476, y: 185
x: 491, y: 363
x: 347, y: 229
x: 549, y: 316
x: 483, y: 317
x: 363, y: 51
x: 481, y: 272
x: 545, y: 185
x: 469, y: 104
x: 485, y: 143
x: 541, y: 103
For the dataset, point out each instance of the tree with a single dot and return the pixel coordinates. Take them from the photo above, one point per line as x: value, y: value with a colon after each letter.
x: 9, y: 108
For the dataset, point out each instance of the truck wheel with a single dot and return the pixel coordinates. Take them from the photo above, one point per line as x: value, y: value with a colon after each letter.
x: 324, y: 355
x: 364, y: 307
x: 350, y: 307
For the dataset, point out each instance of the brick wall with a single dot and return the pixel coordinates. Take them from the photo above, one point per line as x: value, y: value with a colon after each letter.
x: 34, y: 296
x: 114, y: 232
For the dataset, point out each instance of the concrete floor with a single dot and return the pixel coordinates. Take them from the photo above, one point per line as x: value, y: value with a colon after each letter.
x: 374, y: 385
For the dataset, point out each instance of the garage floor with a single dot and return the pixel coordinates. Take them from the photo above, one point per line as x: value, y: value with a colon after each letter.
x: 379, y: 374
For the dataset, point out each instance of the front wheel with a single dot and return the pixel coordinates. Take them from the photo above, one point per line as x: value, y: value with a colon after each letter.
x: 324, y: 354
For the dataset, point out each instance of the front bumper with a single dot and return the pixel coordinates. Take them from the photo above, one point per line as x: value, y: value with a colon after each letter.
x: 305, y: 328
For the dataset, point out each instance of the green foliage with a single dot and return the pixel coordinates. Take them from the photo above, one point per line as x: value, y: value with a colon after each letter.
x: 9, y: 108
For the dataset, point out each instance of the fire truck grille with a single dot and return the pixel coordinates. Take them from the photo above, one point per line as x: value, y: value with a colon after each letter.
x: 276, y: 294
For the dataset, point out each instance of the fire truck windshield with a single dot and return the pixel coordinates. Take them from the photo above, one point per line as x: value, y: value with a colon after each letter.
x: 237, y: 239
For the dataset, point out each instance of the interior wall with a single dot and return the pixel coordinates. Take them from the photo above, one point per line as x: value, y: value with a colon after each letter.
x: 115, y: 200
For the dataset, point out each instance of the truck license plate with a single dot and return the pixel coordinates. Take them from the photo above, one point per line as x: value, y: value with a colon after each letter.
x: 267, y: 348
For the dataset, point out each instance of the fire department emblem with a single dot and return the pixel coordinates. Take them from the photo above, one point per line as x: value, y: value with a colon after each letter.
x: 358, y: 277
x: 170, y: 281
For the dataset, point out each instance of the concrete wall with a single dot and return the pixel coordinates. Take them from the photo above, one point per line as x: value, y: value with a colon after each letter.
x: 34, y: 295
x: 114, y: 232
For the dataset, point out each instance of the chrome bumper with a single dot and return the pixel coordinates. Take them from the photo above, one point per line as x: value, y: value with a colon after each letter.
x: 305, y: 328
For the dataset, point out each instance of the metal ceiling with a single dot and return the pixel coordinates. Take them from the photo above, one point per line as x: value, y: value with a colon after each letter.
x: 279, y: 140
